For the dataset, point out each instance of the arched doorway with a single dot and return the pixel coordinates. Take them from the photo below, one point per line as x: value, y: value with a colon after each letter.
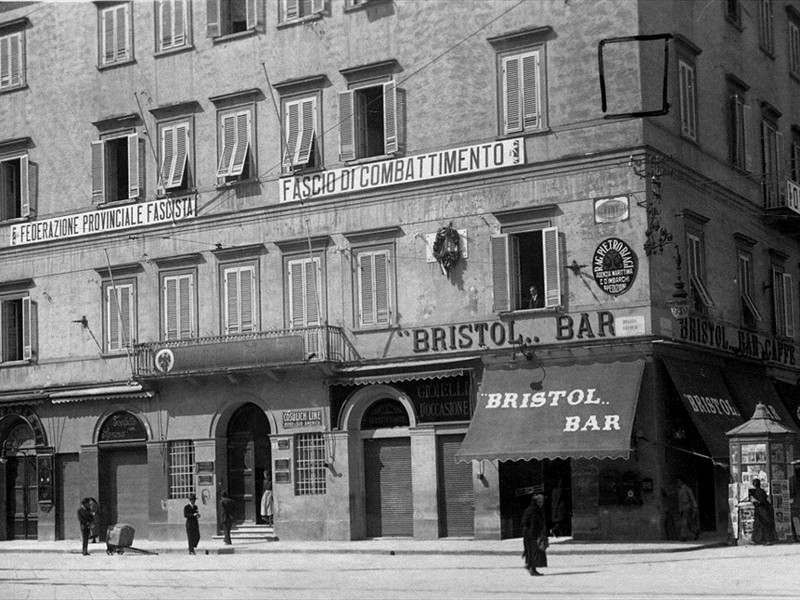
x: 249, y: 456
x: 22, y: 503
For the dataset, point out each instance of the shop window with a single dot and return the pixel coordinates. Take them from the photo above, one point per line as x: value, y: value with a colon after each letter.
x: 700, y: 297
x: 771, y: 167
x: 12, y: 56
x: 750, y: 313
x: 784, y: 303
x: 738, y: 117
x: 119, y: 315
x: 17, y: 328
x: 181, y: 469
x: 292, y: 10
x: 178, y: 300
x: 688, y: 98
x: 235, y: 145
x: 374, y: 286
x: 526, y: 270
x: 173, y: 25
x: 175, y: 156
x: 310, y: 464
x: 301, y: 131
x: 18, y: 188
x: 371, y: 121
x: 118, y: 172
x: 766, y: 33
x: 522, y: 91
x: 239, y: 298
x: 115, y: 34
x: 228, y: 17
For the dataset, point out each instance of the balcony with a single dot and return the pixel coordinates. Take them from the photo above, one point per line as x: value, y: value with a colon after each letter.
x: 782, y: 205
x: 248, y: 351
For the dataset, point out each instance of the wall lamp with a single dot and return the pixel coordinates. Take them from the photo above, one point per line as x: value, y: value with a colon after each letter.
x: 524, y: 346
x: 679, y: 304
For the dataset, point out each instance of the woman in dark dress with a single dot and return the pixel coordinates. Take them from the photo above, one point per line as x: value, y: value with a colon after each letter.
x: 190, y: 511
x: 534, y: 535
x: 764, y: 518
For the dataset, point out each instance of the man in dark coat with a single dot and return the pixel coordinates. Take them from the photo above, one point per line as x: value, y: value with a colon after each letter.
x: 764, y: 518
x: 190, y: 512
x: 85, y: 518
x: 534, y: 535
x: 227, y: 505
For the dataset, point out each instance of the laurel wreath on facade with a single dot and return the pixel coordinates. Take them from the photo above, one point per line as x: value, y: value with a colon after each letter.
x: 447, y: 247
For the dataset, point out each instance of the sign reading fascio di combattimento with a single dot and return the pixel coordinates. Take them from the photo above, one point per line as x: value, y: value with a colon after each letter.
x: 410, y: 169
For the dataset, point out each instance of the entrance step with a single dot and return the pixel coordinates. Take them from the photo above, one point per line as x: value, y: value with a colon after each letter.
x: 251, y: 531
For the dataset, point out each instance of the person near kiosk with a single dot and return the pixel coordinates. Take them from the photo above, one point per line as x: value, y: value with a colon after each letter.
x: 764, y: 517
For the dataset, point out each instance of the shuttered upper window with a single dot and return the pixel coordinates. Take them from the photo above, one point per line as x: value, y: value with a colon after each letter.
x: 173, y: 24
x: 175, y: 156
x: 118, y: 172
x: 784, y: 303
x: 372, y: 121
x: 178, y: 302
x: 374, y: 285
x: 701, y: 298
x: 229, y: 17
x: 235, y: 145
x: 305, y: 301
x: 688, y: 99
x: 18, y: 177
x: 116, y: 35
x: 12, y: 60
x: 525, y: 266
x: 300, y: 131
x: 750, y: 312
x: 794, y: 44
x: 292, y: 10
x: 240, y: 304
x: 738, y: 116
x: 17, y: 328
x: 521, y: 91
x: 119, y: 311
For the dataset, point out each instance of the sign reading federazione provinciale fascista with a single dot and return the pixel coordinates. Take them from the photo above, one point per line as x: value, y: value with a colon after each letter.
x: 410, y: 169
x: 103, y: 220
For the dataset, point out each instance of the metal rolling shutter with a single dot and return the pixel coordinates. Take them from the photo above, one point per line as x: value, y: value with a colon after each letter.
x: 456, y: 495
x: 68, y: 496
x: 125, y: 497
x: 387, y: 475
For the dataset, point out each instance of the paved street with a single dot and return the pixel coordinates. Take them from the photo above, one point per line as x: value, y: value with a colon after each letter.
x: 727, y: 572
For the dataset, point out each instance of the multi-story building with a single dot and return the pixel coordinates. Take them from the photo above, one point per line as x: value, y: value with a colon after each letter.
x: 408, y: 262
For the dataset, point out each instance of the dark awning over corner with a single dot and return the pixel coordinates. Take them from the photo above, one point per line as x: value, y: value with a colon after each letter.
x: 578, y: 411
x: 751, y: 386
x: 790, y: 394
x: 708, y: 402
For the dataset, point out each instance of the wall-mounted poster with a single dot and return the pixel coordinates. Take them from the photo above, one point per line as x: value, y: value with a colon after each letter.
x: 614, y: 266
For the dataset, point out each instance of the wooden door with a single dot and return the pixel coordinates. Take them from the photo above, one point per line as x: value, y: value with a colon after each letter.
x: 241, y: 476
x: 22, y: 503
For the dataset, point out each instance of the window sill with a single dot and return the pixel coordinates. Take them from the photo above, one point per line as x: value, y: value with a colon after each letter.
x: 16, y: 363
x: 239, y: 182
x: 300, y: 21
x: 374, y: 328
x: 524, y: 312
x: 171, y: 51
x: 300, y: 172
x: 16, y: 88
x: 524, y: 133
x: 116, y: 203
x: 227, y: 37
x: 14, y: 220
x: 363, y: 6
x: 114, y: 65
x: 371, y: 159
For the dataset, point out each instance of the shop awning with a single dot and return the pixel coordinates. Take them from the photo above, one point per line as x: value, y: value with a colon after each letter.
x: 708, y: 402
x: 400, y: 371
x: 790, y: 394
x: 576, y: 411
x: 751, y: 386
x: 111, y: 392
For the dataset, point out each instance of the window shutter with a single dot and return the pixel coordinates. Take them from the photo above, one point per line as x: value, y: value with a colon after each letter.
x: 5, y: 61
x: 171, y: 308
x: 748, y: 155
x: 500, y: 279
x: 181, y: 137
x: 126, y: 326
x: 27, y: 328
x: 24, y: 192
x: 135, y: 166
x: 789, y: 304
x: 12, y: 60
x: 30, y: 201
x: 255, y: 15
x: 347, y: 126
x: 366, y: 289
x: 122, y: 33
x: 317, y: 6
x: 512, y: 121
x: 393, y: 118
x: 108, y: 46
x: 381, y: 286
x: 247, y: 293
x: 307, y: 120
x: 242, y: 144
x: 166, y: 24
x: 292, y: 9
x: 296, y: 293
x: 312, y: 269
x: 228, y: 137
x: 113, y: 313
x: 552, y: 271
x: 531, y: 77
x: 98, y: 172
x: 179, y: 33
x: 186, y: 306
x: 167, y: 157
x: 232, y: 301
x: 293, y: 134
x: 213, y: 18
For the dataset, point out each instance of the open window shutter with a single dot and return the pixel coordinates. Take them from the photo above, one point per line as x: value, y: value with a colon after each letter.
x: 166, y: 23
x: 98, y: 172
x: 307, y: 120
x: 501, y: 282
x: 347, y: 126
x: 181, y: 136
x: 135, y: 166
x: 171, y: 308
x: 789, y: 304
x: 292, y: 134
x: 28, y: 325
x: 29, y: 203
x: 382, y: 305
x: 231, y: 301
x: 393, y: 118
x: 292, y: 9
x: 255, y: 15
x: 748, y: 154
x: 242, y: 145
x: 312, y: 300
x: 113, y: 317
x: 317, y: 6
x: 126, y: 305
x: 552, y: 271
x: 228, y: 138
x: 213, y: 18
x: 296, y: 294
x: 530, y: 89
x: 247, y: 291
x: 186, y: 306
x: 24, y: 192
x: 167, y: 157
x: 512, y: 120
x: 366, y: 300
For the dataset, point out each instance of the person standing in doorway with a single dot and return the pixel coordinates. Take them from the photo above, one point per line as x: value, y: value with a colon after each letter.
x: 534, y: 535
x: 267, y: 503
x: 191, y: 513
x: 687, y: 510
x: 227, y: 505
x: 85, y: 521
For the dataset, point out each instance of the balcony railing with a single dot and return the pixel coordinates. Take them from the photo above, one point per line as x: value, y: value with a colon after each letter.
x: 258, y: 349
x: 783, y: 194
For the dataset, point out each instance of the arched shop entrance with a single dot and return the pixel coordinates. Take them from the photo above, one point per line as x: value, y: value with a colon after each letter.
x: 520, y: 480
x: 21, y: 484
x: 249, y: 456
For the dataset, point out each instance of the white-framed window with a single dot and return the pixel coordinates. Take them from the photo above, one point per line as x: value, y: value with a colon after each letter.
x: 766, y: 32
x: 118, y: 168
x: 794, y: 46
x: 784, y: 303
x: 522, y: 81
x: 17, y: 328
x: 179, y: 301
x: 526, y: 270
x: 771, y: 180
x: 173, y: 24
x: 175, y: 156
x: 236, y: 150
x: 688, y: 99
x: 701, y: 299
x: 309, y: 464
x: 116, y: 34
x: 119, y: 312
x: 750, y: 313
x: 12, y: 60
x: 18, y: 186
x: 301, y: 124
x: 374, y: 287
x: 229, y: 17
x: 738, y: 125
x: 181, y: 469
x: 304, y: 288
x: 371, y: 121
x: 292, y: 10
x: 239, y: 298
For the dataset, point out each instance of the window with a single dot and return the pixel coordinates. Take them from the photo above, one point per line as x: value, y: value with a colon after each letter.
x: 178, y: 306
x: 181, y: 469
x: 173, y: 24
x: 116, y: 35
x: 227, y: 17
x: 521, y: 88
x: 521, y: 262
x: 239, y: 299
x: 794, y: 156
x: 299, y: 9
x: 12, y: 59
x: 371, y: 121
x: 733, y: 12
x: 701, y: 299
x: 118, y: 168
x: 119, y: 315
x: 766, y: 34
x: 301, y: 124
x: 770, y: 162
x: 175, y: 156
x: 374, y: 284
x: 794, y: 45
x: 305, y: 293
x: 235, y: 147
x: 309, y: 462
x: 783, y: 303
x: 738, y: 120
x: 17, y: 328
x: 750, y: 313
x: 17, y: 187
x: 688, y: 99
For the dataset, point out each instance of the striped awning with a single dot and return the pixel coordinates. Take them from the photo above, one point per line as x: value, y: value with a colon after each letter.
x: 111, y: 392
x: 399, y: 371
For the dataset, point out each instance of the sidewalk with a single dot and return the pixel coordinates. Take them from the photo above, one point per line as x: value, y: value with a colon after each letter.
x: 395, y: 546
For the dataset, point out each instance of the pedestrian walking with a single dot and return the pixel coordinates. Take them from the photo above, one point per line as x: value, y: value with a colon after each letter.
x: 227, y: 505
x: 85, y: 522
x: 534, y: 535
x: 94, y: 529
x: 191, y: 514
x: 764, y: 518
x: 687, y: 511
x: 267, y: 502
